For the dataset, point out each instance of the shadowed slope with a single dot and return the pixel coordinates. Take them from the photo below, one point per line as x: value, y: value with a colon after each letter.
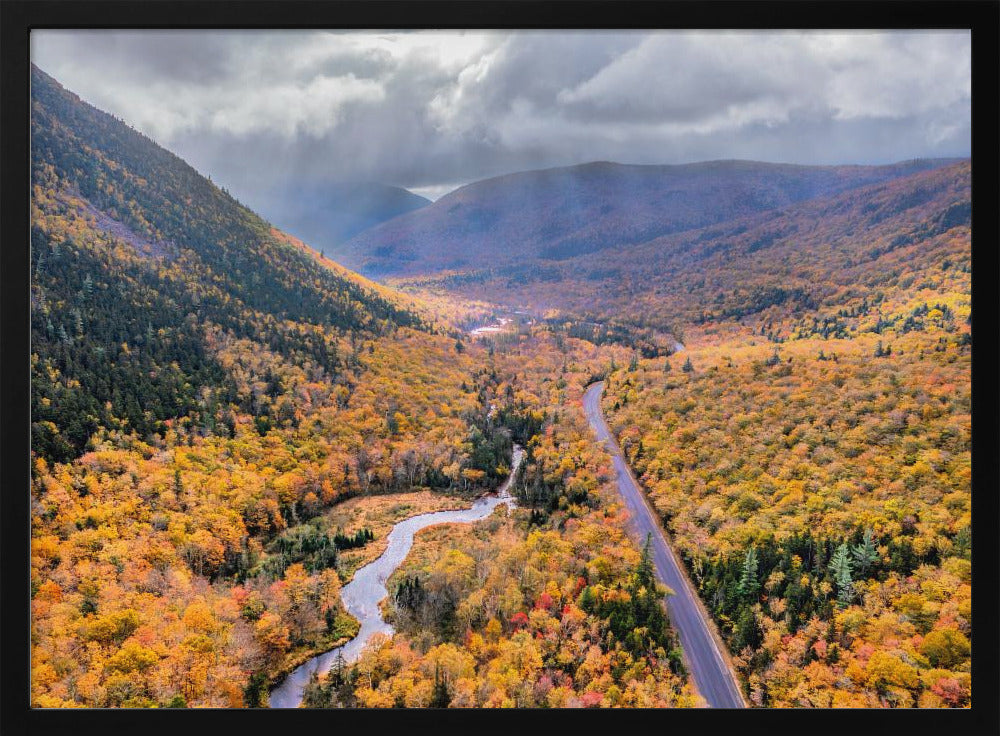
x: 555, y: 214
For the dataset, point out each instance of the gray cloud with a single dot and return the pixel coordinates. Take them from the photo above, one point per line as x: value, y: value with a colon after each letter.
x: 430, y: 111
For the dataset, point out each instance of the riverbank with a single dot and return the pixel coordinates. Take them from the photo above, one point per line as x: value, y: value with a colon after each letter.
x: 363, y: 594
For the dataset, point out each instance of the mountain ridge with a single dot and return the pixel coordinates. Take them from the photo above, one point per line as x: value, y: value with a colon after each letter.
x: 561, y: 212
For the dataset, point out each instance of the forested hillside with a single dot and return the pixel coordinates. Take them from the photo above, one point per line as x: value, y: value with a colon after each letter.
x: 133, y: 253
x: 226, y: 425
x: 809, y: 448
x: 203, y: 388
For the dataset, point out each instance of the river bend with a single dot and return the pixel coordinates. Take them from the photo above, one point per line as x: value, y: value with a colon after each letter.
x: 362, y: 595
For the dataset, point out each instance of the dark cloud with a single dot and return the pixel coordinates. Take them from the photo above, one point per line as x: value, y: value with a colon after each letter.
x: 430, y: 111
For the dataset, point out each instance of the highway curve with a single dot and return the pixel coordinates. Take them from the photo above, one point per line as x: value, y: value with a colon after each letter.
x: 703, y: 654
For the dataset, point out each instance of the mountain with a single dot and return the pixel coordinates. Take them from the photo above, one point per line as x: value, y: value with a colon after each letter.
x: 220, y: 414
x: 815, y: 247
x: 329, y: 215
x: 554, y: 214
x: 809, y: 254
x: 133, y: 254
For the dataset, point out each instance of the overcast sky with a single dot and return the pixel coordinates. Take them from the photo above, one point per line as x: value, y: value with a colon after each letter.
x: 433, y: 110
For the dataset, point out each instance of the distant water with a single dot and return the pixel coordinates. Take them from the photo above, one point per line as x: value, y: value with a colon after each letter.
x: 367, y: 588
x: 490, y: 329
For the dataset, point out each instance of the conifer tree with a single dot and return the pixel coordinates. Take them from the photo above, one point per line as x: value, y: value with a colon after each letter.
x: 338, y: 669
x: 866, y: 553
x: 645, y: 573
x: 840, y: 565
x: 748, y: 584
x: 255, y: 692
x: 440, y: 696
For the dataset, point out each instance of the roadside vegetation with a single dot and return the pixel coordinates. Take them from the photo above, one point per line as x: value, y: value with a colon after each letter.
x: 814, y: 470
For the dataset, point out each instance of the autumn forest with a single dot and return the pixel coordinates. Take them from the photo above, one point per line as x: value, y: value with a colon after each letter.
x: 228, y: 425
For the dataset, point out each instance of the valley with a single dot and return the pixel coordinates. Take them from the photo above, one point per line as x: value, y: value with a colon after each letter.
x: 602, y: 435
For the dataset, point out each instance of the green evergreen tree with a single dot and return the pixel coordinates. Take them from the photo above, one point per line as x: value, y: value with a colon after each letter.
x: 645, y: 572
x: 749, y: 584
x: 865, y: 554
x: 255, y: 693
x: 747, y: 631
x: 642, y: 624
x: 440, y: 695
x: 687, y: 367
x: 339, y: 669
x: 315, y: 694
x: 840, y: 565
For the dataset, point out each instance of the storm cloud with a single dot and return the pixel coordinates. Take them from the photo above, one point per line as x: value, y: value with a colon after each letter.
x: 430, y: 111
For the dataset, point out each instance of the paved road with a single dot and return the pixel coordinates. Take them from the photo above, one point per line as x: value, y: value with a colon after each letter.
x: 712, y: 675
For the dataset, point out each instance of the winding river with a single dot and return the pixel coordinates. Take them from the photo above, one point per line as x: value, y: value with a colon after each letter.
x: 361, y: 596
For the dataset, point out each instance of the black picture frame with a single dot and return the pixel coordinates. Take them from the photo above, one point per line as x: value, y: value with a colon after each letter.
x: 20, y: 17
